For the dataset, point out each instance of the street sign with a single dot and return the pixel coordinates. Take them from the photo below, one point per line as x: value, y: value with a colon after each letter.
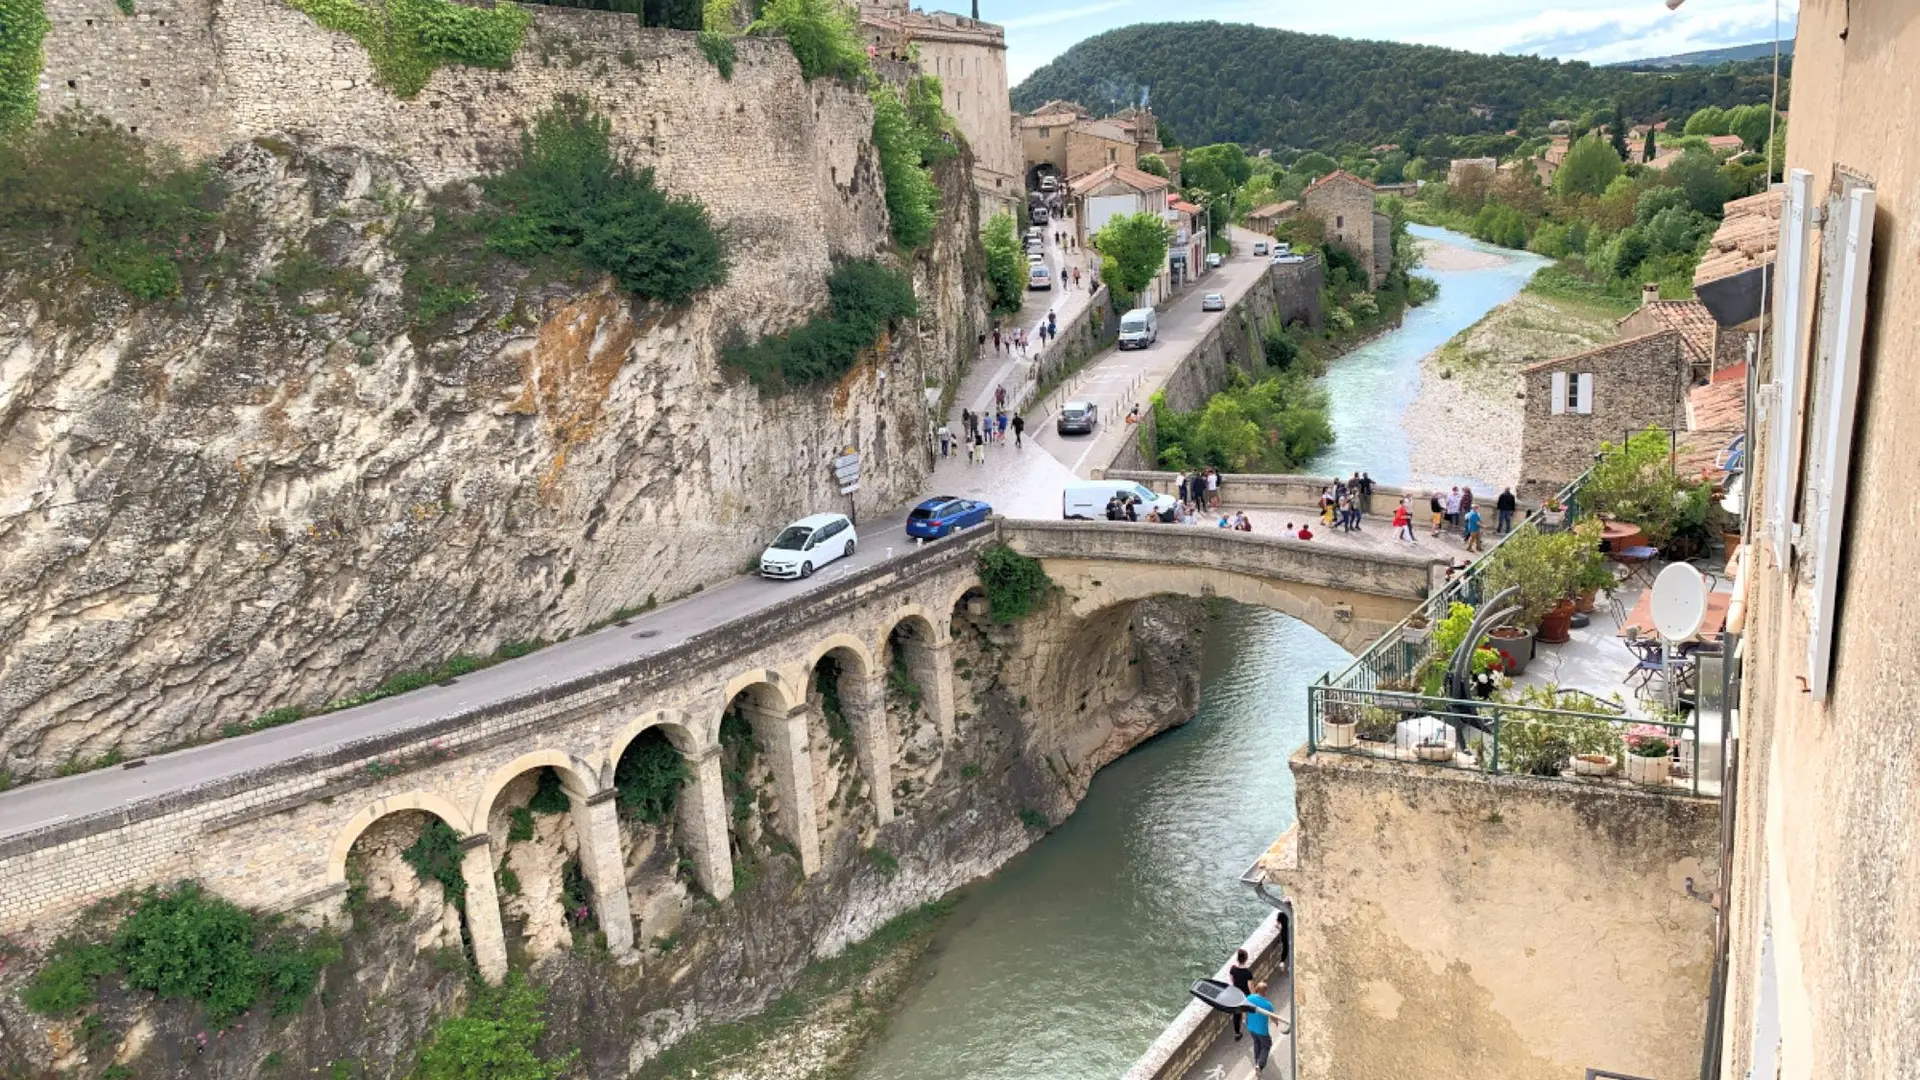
x: 846, y: 470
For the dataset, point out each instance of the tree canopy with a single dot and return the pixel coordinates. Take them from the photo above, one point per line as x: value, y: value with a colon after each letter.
x: 1275, y: 88
x: 1133, y: 248
x: 1590, y: 166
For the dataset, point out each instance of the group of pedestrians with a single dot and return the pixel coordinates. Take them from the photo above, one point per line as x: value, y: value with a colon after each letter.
x: 1344, y: 501
x: 978, y: 430
x: 1200, y: 490
x: 1456, y: 511
x: 1011, y: 342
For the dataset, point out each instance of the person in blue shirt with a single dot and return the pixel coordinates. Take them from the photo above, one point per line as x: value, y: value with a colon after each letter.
x: 1258, y: 1021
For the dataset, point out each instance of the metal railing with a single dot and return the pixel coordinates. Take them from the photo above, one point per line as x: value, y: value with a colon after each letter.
x: 1375, y: 706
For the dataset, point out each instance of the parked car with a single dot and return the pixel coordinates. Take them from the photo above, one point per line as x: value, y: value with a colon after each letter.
x: 1139, y: 328
x: 1086, y: 500
x: 1259, y: 247
x: 1048, y: 183
x: 807, y: 545
x: 943, y: 515
x: 1034, y: 258
x: 1039, y: 277
x: 1279, y: 259
x: 1281, y: 247
x: 1077, y: 418
x: 1214, y: 259
x: 1213, y: 301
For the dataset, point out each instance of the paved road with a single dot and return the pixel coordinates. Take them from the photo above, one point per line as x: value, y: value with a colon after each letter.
x: 1116, y: 380
x: 1020, y: 482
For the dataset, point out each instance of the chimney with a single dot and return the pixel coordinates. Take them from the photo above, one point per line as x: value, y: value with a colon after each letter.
x: 1649, y: 293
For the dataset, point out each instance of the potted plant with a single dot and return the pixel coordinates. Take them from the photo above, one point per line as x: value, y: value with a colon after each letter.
x: 1649, y: 754
x: 1634, y: 482
x: 1693, y: 522
x: 1336, y: 729
x: 1435, y: 747
x: 1377, y: 724
x: 1594, y: 575
x: 1544, y: 567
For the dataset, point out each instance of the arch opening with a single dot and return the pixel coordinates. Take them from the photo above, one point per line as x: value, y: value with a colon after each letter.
x: 752, y: 732
x: 913, y: 683
x: 535, y: 815
x: 651, y: 783
x: 403, y: 866
x: 840, y: 719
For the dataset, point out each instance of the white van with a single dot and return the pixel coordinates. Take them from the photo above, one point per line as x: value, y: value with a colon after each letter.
x: 1086, y: 500
x: 1139, y: 328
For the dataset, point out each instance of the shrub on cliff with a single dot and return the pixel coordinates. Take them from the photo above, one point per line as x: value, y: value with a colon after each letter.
x: 22, y: 24
x: 572, y: 197
x: 822, y: 35
x: 913, y: 200
x: 1015, y: 584
x: 407, y: 40
x: 132, y: 212
x: 1275, y: 425
x: 1005, y: 281
x: 864, y: 298
x: 494, y: 1039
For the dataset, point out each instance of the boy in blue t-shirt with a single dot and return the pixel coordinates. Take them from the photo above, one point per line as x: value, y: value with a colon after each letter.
x: 1257, y: 1025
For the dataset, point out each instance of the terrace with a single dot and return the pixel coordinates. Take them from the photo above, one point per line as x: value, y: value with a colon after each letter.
x: 1608, y: 705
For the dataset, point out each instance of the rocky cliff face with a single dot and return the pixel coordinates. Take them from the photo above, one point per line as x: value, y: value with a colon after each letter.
x: 701, y: 963
x: 281, y: 493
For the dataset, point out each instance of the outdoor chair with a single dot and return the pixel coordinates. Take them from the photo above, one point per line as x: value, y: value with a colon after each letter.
x: 1636, y: 563
x: 1647, y: 663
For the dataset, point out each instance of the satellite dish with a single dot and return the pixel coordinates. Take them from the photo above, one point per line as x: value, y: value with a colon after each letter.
x: 1679, y: 602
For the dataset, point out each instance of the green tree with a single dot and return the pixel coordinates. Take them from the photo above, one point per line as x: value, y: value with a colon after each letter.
x: 1617, y: 131
x: 1651, y: 149
x: 1590, y: 166
x: 1133, y: 248
x: 1217, y: 171
x: 821, y: 34
x: 1153, y: 163
x: 1697, y: 172
x: 494, y: 1039
x: 1711, y: 120
x: 1313, y: 165
x: 1654, y: 200
x: 1629, y: 250
x: 1777, y: 151
x: 1004, y: 278
x: 1392, y: 168
x: 913, y: 200
x: 1750, y: 123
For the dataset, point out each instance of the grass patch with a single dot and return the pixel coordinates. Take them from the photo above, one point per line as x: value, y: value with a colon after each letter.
x: 494, y: 1038
x: 1565, y: 283
x: 819, y: 984
x: 408, y: 40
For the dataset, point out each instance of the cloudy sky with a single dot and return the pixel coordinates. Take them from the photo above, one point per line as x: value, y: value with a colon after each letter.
x: 1596, y: 30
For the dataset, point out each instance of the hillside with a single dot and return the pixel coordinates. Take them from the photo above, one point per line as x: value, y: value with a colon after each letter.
x: 1759, y: 50
x: 1215, y: 82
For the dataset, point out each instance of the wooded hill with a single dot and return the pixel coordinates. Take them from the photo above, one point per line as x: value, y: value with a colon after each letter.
x: 1212, y: 82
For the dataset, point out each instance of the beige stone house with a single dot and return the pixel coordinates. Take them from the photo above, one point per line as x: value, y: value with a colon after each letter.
x: 1344, y: 204
x: 1264, y: 219
x: 1575, y: 403
x: 1096, y: 197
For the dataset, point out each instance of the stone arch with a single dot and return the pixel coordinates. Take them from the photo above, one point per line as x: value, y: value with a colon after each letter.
x: 779, y: 729
x: 842, y: 643
x: 579, y: 778
x: 679, y: 728
x: 425, y: 801
x: 1350, y: 619
x: 919, y: 644
x: 588, y: 870
x: 766, y: 683
x: 907, y: 613
x: 847, y: 734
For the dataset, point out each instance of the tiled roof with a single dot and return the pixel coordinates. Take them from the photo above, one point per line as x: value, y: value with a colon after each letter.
x: 1749, y: 229
x: 1554, y: 362
x: 1691, y: 318
x: 1103, y: 129
x: 1663, y: 156
x: 1726, y: 142
x: 1050, y: 119
x: 1183, y: 206
x: 1338, y: 174
x: 1274, y: 209
x: 1716, y: 413
x: 1133, y: 178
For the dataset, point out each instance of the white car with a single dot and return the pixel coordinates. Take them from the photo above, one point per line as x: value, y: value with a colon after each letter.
x: 1039, y: 278
x: 1034, y: 258
x: 1213, y: 301
x: 1259, y: 247
x: 807, y: 545
x: 1214, y: 259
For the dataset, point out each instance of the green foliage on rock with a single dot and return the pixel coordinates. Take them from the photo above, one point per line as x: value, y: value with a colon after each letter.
x: 907, y: 149
x: 1006, y: 277
x: 1133, y: 248
x: 1274, y: 425
x: 864, y: 298
x: 647, y: 780
x: 495, y: 1038
x: 1015, y: 584
x: 185, y: 943
x: 407, y: 40
x: 570, y: 196
x: 435, y: 856
x: 23, y: 23
x: 132, y: 212
x: 719, y: 51
x: 821, y: 33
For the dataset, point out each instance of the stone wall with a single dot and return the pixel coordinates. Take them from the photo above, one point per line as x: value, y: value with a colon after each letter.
x: 1504, y: 928
x: 1344, y: 205
x: 1296, y: 291
x: 1636, y: 383
x: 256, y: 500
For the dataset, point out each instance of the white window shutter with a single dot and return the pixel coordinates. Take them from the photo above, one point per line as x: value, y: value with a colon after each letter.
x: 1585, y: 404
x: 1790, y: 317
x: 1827, y: 500
x: 1559, y: 392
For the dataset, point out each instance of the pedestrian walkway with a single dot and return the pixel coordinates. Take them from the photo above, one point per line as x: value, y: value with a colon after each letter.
x: 997, y: 367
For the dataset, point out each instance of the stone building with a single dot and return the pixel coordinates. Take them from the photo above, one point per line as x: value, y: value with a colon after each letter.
x: 1820, y: 896
x: 1093, y: 198
x: 1091, y: 144
x: 1690, y: 318
x: 1575, y: 403
x: 1265, y: 218
x: 970, y: 59
x: 1458, y: 168
x: 1344, y: 204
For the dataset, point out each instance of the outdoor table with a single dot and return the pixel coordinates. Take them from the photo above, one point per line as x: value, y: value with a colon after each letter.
x: 1640, y: 619
x: 1620, y: 535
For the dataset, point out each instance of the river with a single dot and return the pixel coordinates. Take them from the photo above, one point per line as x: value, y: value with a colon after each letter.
x: 1071, y: 960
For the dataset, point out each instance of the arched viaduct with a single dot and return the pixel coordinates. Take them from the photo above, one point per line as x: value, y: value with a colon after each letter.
x: 274, y: 831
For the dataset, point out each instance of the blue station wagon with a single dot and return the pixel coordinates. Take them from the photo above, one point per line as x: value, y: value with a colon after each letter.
x: 944, y: 514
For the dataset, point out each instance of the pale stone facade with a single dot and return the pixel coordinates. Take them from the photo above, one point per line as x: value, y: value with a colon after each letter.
x: 1603, y: 395
x: 1824, y: 884
x: 1344, y: 204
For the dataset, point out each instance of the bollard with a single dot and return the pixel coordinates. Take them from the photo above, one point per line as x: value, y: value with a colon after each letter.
x: 889, y: 553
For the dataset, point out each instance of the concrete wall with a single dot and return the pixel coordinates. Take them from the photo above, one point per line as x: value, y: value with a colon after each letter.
x: 1636, y: 383
x: 1455, y: 924
x: 1825, y: 887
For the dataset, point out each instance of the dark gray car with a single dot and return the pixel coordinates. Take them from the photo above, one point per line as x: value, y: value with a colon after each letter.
x: 1077, y: 418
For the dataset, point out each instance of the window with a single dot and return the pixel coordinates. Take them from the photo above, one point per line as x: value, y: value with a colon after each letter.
x: 1339, y: 221
x: 1044, y: 133
x: 1571, y: 393
x: 1111, y: 155
x: 1783, y: 420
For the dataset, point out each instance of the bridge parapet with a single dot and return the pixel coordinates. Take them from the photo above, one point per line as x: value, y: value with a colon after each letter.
x: 1284, y: 491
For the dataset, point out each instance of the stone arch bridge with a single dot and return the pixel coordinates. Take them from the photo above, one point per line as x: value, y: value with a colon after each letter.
x: 268, y: 820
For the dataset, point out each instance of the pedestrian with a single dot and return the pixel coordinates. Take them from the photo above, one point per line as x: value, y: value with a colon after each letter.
x: 1466, y: 501
x: 1349, y: 517
x: 1000, y: 422
x: 1366, y: 494
x: 1439, y: 511
x: 1403, y: 523
x: 996, y: 339
x: 1258, y: 1010
x: 1019, y: 425
x: 1305, y: 532
x: 946, y: 440
x: 1241, y: 522
x: 1213, y: 488
x: 1453, y: 507
x: 1470, y: 528
x: 1000, y: 396
x: 1181, y: 487
x: 1076, y: 277
x: 979, y: 448
x: 1505, y: 505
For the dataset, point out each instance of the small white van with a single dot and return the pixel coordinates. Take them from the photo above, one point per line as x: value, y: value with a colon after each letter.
x: 1139, y: 328
x: 1086, y: 500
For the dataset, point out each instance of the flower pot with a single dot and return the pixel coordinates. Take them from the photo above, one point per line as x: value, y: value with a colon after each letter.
x: 1729, y: 541
x: 1338, y: 734
x: 1433, y: 752
x: 1592, y: 765
x: 1583, y: 600
x: 1648, y: 770
x: 1556, y: 625
x: 1416, y: 634
x: 1514, y: 645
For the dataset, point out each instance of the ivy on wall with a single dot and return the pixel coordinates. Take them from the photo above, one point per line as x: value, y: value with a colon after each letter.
x: 408, y: 40
x: 22, y: 24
